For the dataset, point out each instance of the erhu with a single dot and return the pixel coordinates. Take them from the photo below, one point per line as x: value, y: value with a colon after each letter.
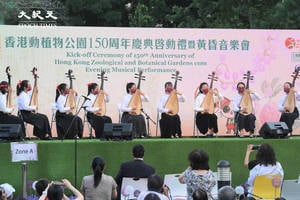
x: 71, y: 102
x: 34, y: 96
x: 208, y: 101
x: 246, y: 102
x: 9, y: 94
x: 172, y: 102
x: 100, y: 99
x: 136, y: 100
x: 290, y: 103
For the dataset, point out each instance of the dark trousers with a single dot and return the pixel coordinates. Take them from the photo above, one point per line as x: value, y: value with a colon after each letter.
x: 39, y: 121
x: 97, y: 122
x: 289, y: 118
x: 169, y: 125
x: 246, y: 122
x: 68, y: 126
x: 206, y: 121
x: 138, y: 124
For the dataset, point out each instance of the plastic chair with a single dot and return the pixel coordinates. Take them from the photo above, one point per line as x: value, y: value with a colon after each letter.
x: 25, y: 124
x: 85, y: 121
x: 130, y: 185
x: 267, y: 186
x: 53, y: 109
x: 120, y: 112
x: 196, y: 132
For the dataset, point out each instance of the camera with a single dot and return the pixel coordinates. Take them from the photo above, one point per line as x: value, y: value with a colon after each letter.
x: 255, y: 147
x: 58, y: 183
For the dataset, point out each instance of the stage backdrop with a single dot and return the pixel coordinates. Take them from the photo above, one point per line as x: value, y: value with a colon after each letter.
x: 270, y: 55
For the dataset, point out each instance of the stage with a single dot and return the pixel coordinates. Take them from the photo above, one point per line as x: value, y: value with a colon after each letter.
x: 56, y: 159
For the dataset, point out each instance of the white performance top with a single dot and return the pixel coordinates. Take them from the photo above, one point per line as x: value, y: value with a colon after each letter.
x: 163, y: 100
x: 237, y: 100
x: 23, y: 102
x: 3, y: 101
x: 282, y: 100
x: 199, y: 99
x: 126, y: 100
x: 88, y: 105
x: 60, y: 104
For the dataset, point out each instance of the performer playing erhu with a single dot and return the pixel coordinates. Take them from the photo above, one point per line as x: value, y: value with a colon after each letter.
x: 245, y: 120
x: 5, y: 112
x: 170, y: 124
x: 68, y: 125
x: 97, y: 121
x: 129, y: 112
x: 289, y: 115
x: 40, y: 122
x: 206, y: 120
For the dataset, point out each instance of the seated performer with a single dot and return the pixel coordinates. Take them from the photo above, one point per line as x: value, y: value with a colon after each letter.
x: 286, y: 116
x: 245, y: 122
x: 96, y: 121
x: 5, y: 113
x: 170, y: 125
x: 40, y: 122
x: 68, y: 126
x: 206, y: 123
x: 138, y: 121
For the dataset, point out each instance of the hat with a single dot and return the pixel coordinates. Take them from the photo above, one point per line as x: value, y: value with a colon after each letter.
x: 8, y: 189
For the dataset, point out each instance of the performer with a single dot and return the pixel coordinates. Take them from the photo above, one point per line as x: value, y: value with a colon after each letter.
x: 5, y: 113
x: 68, y: 125
x: 206, y: 123
x: 288, y: 117
x: 246, y: 123
x: 96, y: 121
x: 170, y: 125
x: 138, y: 121
x: 40, y: 122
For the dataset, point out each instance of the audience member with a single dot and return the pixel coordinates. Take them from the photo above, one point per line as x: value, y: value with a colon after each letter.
x: 9, y: 190
x: 198, y: 174
x: 98, y: 185
x: 2, y: 194
x: 252, y: 163
x: 199, y: 195
x: 267, y: 164
x: 135, y: 168
x: 55, y: 191
x: 40, y: 186
x: 226, y: 193
x: 155, y: 186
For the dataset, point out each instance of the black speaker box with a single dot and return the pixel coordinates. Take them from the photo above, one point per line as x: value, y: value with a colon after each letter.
x: 274, y: 130
x: 118, y: 131
x: 10, y: 131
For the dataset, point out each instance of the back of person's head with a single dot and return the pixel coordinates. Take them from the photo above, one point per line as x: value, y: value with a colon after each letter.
x: 138, y: 151
x: 280, y: 198
x: 40, y: 186
x: 199, y: 159
x: 152, y: 196
x: 266, y: 155
x: 155, y: 183
x: 2, y: 194
x: 9, y: 190
x: 226, y: 193
x: 98, y: 164
x: 200, y: 194
x: 55, y: 192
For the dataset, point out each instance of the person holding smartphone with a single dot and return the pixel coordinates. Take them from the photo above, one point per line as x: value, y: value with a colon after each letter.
x: 252, y: 163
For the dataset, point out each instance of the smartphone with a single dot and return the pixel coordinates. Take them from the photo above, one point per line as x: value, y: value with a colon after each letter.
x: 255, y: 147
x: 58, y: 183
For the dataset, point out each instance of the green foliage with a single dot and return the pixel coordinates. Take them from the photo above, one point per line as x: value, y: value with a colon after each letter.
x: 279, y: 14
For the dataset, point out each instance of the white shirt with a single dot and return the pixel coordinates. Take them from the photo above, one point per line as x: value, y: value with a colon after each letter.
x: 282, y: 100
x: 23, y: 102
x: 89, y: 103
x: 163, y: 100
x: 3, y: 102
x: 61, y: 102
x: 127, y: 99
x: 237, y: 100
x: 259, y: 170
x: 199, y: 99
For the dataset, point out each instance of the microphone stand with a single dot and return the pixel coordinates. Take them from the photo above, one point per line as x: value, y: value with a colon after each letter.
x: 148, y: 125
x: 75, y: 140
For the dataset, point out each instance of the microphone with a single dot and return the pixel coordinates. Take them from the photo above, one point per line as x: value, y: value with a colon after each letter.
x: 85, y: 97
